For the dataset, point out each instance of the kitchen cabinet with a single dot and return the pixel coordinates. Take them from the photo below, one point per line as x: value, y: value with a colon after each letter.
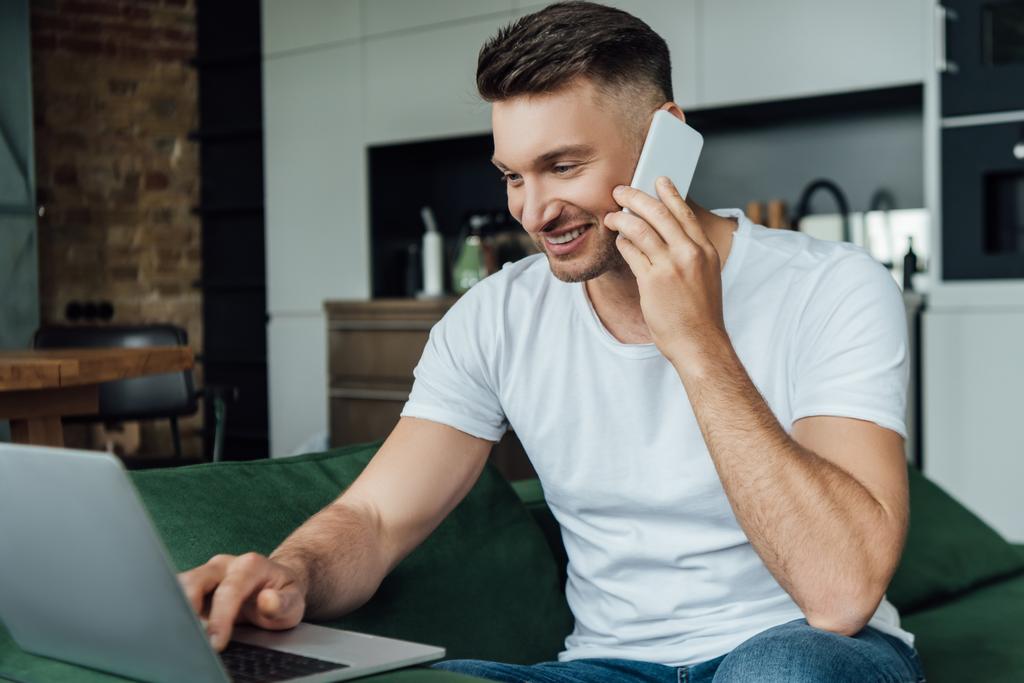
x: 973, y: 440
x: 315, y: 179
x: 423, y: 84
x: 296, y: 381
x: 298, y: 24
x: 316, y: 241
x: 373, y: 347
x: 384, y: 16
x: 756, y: 51
x: 676, y: 22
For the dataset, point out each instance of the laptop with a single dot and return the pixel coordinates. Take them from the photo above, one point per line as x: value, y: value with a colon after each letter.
x: 85, y: 578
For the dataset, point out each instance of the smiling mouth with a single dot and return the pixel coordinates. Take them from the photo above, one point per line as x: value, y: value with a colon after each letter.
x: 567, y: 237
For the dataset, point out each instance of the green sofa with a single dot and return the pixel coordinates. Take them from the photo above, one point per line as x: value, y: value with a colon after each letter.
x: 488, y: 583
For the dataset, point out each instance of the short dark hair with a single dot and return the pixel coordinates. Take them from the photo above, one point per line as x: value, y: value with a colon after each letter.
x: 544, y: 51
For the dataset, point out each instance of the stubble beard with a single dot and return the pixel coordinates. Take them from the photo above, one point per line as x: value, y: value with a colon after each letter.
x: 580, y: 268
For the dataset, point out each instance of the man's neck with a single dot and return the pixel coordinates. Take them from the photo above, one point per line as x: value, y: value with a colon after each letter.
x: 615, y: 295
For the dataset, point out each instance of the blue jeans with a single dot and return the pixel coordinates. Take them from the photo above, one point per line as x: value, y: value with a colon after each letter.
x: 794, y: 652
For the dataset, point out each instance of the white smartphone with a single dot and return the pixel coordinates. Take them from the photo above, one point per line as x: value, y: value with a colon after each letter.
x: 671, y: 149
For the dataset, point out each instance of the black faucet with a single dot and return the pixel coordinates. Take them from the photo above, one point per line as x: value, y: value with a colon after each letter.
x: 883, y: 200
x: 803, y: 204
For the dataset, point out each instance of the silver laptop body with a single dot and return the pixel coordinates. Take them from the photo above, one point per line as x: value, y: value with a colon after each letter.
x: 85, y: 578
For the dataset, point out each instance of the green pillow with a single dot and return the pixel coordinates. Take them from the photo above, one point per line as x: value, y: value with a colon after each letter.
x: 483, y: 585
x: 949, y: 550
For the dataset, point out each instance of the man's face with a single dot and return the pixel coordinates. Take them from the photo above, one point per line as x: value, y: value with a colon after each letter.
x: 561, y: 155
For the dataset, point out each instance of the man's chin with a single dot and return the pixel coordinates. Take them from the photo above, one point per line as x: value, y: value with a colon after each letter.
x: 583, y: 269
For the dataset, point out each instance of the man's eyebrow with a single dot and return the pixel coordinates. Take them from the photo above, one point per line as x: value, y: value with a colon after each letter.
x: 565, y: 150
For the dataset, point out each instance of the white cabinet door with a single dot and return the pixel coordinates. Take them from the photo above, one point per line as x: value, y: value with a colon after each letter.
x: 752, y: 51
x: 676, y: 22
x: 295, y: 24
x: 423, y: 84
x: 297, y: 376
x: 973, y: 412
x: 384, y: 16
x: 316, y: 232
x: 673, y: 20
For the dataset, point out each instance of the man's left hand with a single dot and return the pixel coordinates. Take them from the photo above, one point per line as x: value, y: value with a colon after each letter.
x: 677, y: 269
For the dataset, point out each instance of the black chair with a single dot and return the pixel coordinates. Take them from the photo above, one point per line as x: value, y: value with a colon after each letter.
x: 168, y: 396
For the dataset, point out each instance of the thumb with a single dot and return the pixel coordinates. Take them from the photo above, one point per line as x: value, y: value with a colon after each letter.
x: 277, y: 608
x: 271, y: 603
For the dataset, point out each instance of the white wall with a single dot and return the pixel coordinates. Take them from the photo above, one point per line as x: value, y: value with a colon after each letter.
x: 974, y: 414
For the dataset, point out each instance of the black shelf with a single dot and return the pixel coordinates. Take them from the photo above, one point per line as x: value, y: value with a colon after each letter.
x: 762, y: 114
x: 203, y: 210
x: 233, y: 275
x: 220, y: 61
x: 225, y: 134
x: 205, y: 359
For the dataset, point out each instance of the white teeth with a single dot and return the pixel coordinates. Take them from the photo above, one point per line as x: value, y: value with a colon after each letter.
x: 567, y: 237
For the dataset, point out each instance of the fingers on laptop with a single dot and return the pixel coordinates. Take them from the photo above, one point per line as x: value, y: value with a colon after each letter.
x: 243, y: 589
x: 242, y: 578
x: 200, y: 581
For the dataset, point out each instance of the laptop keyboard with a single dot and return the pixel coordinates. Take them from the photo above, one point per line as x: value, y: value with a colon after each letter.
x: 254, y: 664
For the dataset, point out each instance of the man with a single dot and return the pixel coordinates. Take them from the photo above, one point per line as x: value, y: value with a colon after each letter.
x: 715, y: 409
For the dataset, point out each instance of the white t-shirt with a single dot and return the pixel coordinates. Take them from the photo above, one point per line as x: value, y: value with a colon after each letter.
x: 659, y: 568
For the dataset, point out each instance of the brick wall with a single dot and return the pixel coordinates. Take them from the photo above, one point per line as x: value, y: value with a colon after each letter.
x: 114, y: 102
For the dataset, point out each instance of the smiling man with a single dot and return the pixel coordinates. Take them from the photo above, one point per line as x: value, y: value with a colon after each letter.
x: 715, y: 409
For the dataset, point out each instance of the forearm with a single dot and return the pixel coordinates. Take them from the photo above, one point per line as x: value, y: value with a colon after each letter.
x: 336, y: 554
x: 821, y: 533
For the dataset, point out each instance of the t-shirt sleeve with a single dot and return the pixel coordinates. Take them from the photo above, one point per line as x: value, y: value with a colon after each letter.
x: 456, y: 377
x: 852, y: 346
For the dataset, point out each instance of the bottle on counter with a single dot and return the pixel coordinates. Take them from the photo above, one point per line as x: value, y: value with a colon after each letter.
x: 909, y: 266
x: 470, y: 265
x: 433, y: 256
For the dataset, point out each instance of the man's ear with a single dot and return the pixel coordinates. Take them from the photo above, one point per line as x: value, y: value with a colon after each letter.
x: 674, y: 109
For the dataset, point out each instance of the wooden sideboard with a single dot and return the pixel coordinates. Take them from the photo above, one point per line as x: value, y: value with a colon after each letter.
x: 373, y: 347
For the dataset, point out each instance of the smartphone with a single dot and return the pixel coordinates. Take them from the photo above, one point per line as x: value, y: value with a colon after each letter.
x: 671, y: 149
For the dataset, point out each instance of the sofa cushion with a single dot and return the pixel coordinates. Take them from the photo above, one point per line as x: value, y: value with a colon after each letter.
x: 949, y: 550
x: 483, y: 585
x: 977, y: 637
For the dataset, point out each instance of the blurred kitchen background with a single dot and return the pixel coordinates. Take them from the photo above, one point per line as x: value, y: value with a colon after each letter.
x: 261, y: 174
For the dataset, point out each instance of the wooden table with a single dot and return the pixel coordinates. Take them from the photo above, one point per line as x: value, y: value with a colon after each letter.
x: 38, y: 387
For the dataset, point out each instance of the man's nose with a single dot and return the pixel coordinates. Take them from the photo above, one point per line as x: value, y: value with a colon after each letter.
x: 538, y: 209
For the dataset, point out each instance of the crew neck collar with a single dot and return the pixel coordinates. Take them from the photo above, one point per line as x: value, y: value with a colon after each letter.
x: 733, y: 263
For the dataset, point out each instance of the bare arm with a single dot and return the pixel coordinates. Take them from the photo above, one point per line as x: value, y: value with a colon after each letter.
x: 826, y: 509
x: 419, y: 475
x: 335, y: 561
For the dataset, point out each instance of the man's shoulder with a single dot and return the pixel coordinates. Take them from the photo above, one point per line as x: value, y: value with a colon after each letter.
x: 526, y: 278
x: 518, y: 285
x: 806, y: 261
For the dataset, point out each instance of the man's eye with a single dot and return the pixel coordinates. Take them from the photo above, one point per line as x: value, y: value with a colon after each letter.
x: 509, y: 177
x: 562, y: 169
